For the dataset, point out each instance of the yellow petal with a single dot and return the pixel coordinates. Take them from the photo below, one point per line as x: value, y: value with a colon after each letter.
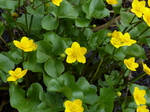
x: 69, y: 51
x: 70, y: 59
x: 56, y: 2
x: 11, y: 78
x: 16, y: 43
x: 82, y: 50
x: 78, y: 102
x: 81, y: 58
x: 75, y: 45
x: 22, y: 73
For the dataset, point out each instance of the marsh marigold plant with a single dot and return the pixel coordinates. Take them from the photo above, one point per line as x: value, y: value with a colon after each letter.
x: 139, y: 96
x: 75, y: 106
x: 131, y: 64
x: 76, y: 53
x: 16, y: 74
x: 25, y: 44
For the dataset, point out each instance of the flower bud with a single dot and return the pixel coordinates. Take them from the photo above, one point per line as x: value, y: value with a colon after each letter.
x: 109, y: 35
x: 94, y: 25
x: 62, y: 56
x: 15, y: 83
x: 119, y: 93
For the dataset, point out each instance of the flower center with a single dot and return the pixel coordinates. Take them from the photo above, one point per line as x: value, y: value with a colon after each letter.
x: 73, y: 108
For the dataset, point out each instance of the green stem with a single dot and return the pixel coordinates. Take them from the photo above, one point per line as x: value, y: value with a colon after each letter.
x: 4, y: 42
x: 144, y: 31
x: 88, y: 62
x: 31, y: 20
x: 129, y: 23
x: 137, y: 23
x: 95, y: 74
x: 110, y: 21
x: 133, y: 80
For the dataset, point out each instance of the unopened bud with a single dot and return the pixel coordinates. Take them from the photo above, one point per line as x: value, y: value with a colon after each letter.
x: 62, y: 56
x: 94, y: 25
x: 109, y: 35
x: 119, y: 93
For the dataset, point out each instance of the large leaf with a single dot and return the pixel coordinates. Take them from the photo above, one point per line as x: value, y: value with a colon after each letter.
x: 58, y: 44
x: 49, y: 22
x: 95, y: 8
x: 105, y: 102
x: 5, y: 63
x: 66, y: 85
x: 25, y: 102
x: 66, y: 10
x: 53, y: 67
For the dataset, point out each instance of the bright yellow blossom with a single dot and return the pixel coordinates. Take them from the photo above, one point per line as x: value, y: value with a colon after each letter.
x: 16, y: 74
x: 138, y: 7
x: 130, y: 64
x: 112, y: 2
x: 139, y: 96
x: 146, y: 69
x: 142, y: 109
x: 76, y: 53
x: 119, y: 40
x: 25, y: 44
x: 75, y: 106
x: 56, y: 2
x: 146, y: 16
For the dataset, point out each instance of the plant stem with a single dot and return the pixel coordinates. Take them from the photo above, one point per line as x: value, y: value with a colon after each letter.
x: 95, y: 74
x: 4, y: 42
x: 134, y: 79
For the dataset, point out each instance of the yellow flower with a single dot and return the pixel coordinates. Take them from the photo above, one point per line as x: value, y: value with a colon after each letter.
x: 130, y: 64
x: 56, y: 2
x: 138, y: 7
x: 142, y: 109
x: 25, y: 44
x: 112, y: 1
x: 139, y: 96
x: 75, y: 106
x: 119, y: 40
x: 146, y: 69
x: 146, y: 16
x: 16, y: 74
x: 76, y: 53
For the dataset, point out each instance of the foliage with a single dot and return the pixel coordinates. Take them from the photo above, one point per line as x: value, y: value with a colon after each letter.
x: 60, y: 60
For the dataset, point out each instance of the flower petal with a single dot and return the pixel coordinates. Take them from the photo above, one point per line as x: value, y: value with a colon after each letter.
x: 81, y: 58
x: 75, y: 45
x: 71, y: 59
x: 69, y: 51
x: 11, y: 78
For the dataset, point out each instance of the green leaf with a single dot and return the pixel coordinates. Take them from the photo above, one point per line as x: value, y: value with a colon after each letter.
x: 49, y: 22
x: 135, y: 50
x: 23, y: 102
x: 53, y: 67
x: 126, y: 18
x: 105, y: 102
x: 66, y: 85
x: 65, y: 10
x: 43, y: 51
x: 95, y: 8
x: 5, y: 63
x: 51, y: 102
x: 97, y: 38
x: 59, y: 45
